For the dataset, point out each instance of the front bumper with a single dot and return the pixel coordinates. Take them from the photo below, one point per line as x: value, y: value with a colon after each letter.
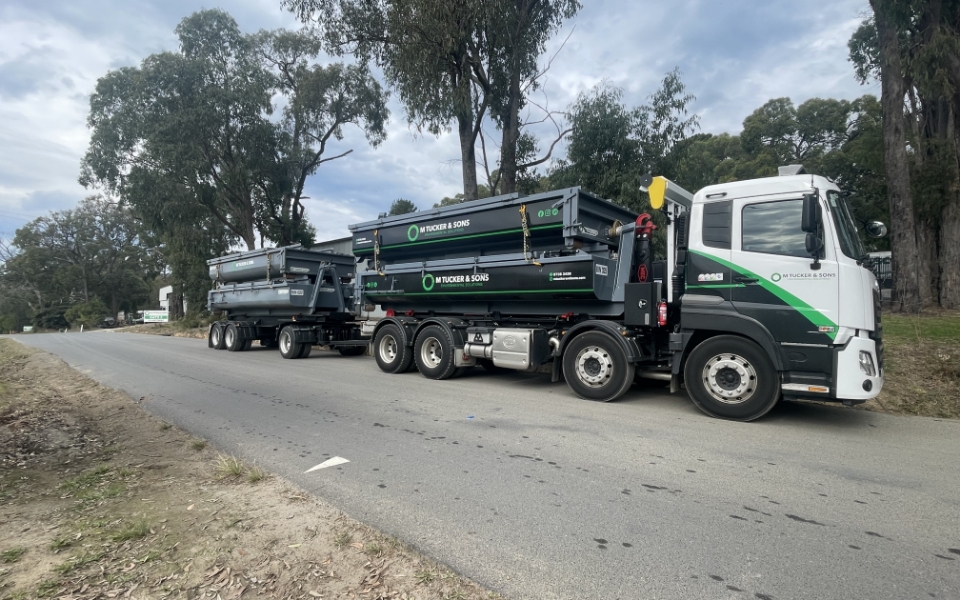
x: 852, y: 383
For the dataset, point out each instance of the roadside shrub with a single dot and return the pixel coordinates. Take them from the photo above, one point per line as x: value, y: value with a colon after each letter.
x: 89, y: 314
x: 50, y: 318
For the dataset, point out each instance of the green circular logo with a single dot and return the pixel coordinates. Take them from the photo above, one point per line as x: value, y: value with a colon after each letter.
x: 540, y: 213
x: 412, y: 233
x: 776, y: 277
x: 428, y: 282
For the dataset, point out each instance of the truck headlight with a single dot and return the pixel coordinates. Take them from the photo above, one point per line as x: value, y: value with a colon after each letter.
x: 866, y: 364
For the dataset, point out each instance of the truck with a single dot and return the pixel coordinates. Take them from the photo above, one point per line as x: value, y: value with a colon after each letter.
x: 764, y: 293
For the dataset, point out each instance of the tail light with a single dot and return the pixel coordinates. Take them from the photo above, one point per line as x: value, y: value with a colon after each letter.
x: 391, y: 312
x: 662, y: 314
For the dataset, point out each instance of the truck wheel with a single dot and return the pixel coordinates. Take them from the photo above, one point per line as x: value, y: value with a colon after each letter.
x: 596, y: 368
x: 305, y: 349
x: 392, y: 355
x: 215, y: 337
x: 288, y: 347
x: 231, y: 338
x: 351, y: 350
x: 433, y: 353
x: 731, y: 378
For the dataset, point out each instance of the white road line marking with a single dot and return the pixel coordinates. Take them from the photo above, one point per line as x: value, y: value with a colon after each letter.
x: 332, y: 462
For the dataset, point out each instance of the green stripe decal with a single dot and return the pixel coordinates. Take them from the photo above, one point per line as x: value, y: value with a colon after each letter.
x: 401, y: 293
x: 813, y: 315
x: 460, y: 237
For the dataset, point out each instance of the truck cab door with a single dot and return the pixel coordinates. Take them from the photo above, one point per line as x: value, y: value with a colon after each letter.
x: 775, y: 280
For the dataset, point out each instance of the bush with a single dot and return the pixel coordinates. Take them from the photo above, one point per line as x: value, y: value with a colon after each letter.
x: 51, y: 318
x: 88, y: 314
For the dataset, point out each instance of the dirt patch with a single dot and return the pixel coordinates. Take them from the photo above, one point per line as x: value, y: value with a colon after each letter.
x: 922, y: 365
x: 100, y: 499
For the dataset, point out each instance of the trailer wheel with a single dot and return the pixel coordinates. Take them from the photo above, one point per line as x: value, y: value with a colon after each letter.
x: 231, y: 339
x: 215, y: 337
x: 289, y: 348
x: 305, y: 349
x: 596, y: 368
x: 351, y: 350
x: 731, y: 378
x: 392, y: 355
x: 434, y: 353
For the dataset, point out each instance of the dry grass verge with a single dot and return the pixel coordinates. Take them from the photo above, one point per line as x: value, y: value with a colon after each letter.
x: 99, y: 499
x: 922, y: 363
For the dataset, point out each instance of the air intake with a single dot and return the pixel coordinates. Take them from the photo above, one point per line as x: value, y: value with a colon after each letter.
x: 791, y: 170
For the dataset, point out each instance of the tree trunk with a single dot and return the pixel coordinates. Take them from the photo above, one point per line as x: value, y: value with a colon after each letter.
x: 950, y: 255
x: 511, y: 133
x: 908, y: 293
x: 468, y: 156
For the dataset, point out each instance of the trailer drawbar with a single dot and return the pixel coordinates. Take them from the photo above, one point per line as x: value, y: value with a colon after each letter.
x: 764, y: 294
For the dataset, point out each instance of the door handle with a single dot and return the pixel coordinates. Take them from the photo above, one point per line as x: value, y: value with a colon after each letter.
x: 742, y: 279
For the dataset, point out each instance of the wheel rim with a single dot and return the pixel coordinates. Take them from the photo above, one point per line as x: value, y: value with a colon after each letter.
x: 594, y: 366
x: 388, y: 348
x: 215, y: 336
x: 285, y: 342
x: 230, y: 336
x: 431, y: 352
x: 730, y: 378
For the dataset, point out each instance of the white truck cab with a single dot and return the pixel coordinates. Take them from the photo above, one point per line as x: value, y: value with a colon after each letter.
x: 777, y: 261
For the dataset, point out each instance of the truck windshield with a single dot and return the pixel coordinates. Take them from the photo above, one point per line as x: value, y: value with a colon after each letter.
x: 846, y: 227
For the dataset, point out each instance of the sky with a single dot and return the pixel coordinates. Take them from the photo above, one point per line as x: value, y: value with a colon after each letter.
x: 734, y: 55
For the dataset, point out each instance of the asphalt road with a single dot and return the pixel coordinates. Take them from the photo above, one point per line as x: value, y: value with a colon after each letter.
x: 516, y: 483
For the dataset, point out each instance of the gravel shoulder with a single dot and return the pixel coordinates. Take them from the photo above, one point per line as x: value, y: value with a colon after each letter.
x: 100, y: 499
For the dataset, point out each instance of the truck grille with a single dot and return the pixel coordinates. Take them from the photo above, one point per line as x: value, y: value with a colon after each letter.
x: 877, y: 334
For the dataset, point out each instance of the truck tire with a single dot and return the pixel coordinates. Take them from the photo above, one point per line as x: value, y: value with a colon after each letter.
x: 215, y: 337
x: 231, y: 339
x: 351, y: 350
x: 392, y: 355
x: 730, y: 377
x: 434, y: 353
x: 289, y: 348
x: 305, y: 349
x: 596, y: 367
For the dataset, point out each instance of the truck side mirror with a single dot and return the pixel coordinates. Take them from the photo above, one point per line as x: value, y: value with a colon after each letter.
x: 814, y: 246
x: 876, y: 229
x: 810, y: 219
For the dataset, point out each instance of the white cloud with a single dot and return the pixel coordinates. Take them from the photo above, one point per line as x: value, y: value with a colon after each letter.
x: 734, y: 57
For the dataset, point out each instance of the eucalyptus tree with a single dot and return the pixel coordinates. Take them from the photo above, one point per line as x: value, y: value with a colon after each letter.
x: 79, y: 255
x: 460, y: 61
x: 201, y: 121
x: 913, y: 48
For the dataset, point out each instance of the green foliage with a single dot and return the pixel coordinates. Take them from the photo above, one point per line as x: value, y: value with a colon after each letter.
x: 51, y: 318
x: 482, y: 192
x: 92, y: 251
x: 611, y: 146
x: 402, y: 206
x: 89, y: 314
x: 190, y: 140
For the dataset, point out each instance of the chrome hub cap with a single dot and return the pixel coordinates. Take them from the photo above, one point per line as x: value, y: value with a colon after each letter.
x: 594, y: 366
x: 730, y: 379
x: 285, y: 343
